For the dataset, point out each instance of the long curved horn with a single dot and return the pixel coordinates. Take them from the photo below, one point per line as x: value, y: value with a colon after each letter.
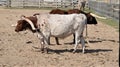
x: 36, y: 14
x: 98, y: 16
x: 29, y: 21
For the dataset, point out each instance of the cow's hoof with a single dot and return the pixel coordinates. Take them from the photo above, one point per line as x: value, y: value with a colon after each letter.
x: 83, y: 52
x: 45, y: 50
x: 73, y: 51
x: 42, y: 50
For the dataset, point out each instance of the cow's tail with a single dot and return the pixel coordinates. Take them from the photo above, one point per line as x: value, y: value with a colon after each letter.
x: 86, y: 29
x: 29, y: 21
x: 85, y: 21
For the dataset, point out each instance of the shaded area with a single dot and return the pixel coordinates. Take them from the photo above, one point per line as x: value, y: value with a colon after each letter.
x: 58, y: 51
x: 95, y: 40
x: 101, y: 40
x: 97, y: 50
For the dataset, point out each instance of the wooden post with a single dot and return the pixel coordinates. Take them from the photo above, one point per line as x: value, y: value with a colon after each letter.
x: 39, y: 3
x: 23, y: 4
x: 8, y: 3
x: 43, y: 2
x: 61, y: 3
x: 56, y: 3
x: 72, y: 5
x: 78, y: 5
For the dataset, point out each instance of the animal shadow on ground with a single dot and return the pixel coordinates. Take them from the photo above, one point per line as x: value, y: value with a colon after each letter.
x: 57, y: 51
x: 96, y: 40
x: 97, y: 50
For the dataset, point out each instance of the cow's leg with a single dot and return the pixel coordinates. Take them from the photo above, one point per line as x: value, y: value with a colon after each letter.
x: 46, y: 36
x: 82, y: 43
x: 73, y: 38
x: 41, y: 41
x: 86, y: 31
x: 42, y: 47
x: 57, y: 41
x: 44, y: 41
x: 42, y: 44
x: 45, y: 47
x: 76, y: 42
x: 49, y: 41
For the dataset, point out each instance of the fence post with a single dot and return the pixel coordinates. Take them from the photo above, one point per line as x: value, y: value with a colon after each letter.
x: 8, y: 3
x: 72, y: 5
x: 112, y: 10
x: 56, y: 3
x: 39, y: 4
x: 61, y: 3
x: 23, y: 4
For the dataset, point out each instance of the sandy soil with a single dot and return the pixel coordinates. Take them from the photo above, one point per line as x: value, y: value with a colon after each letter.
x: 16, y: 49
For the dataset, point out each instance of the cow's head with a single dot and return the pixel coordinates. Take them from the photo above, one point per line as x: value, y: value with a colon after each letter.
x: 21, y: 25
x: 91, y: 19
x: 24, y: 24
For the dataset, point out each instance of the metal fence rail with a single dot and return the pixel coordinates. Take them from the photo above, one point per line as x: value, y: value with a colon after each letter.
x: 106, y: 9
x: 41, y: 3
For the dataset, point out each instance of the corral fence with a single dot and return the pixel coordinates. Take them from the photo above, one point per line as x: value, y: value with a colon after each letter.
x: 108, y: 9
x: 42, y: 3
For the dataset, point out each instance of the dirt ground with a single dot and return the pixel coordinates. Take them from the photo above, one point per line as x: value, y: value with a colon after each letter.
x: 17, y: 49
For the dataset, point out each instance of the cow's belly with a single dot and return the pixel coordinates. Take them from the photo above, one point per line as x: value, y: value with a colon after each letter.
x: 61, y: 34
x: 61, y: 31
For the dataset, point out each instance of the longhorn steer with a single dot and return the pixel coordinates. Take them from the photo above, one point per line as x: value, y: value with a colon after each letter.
x: 59, y: 26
